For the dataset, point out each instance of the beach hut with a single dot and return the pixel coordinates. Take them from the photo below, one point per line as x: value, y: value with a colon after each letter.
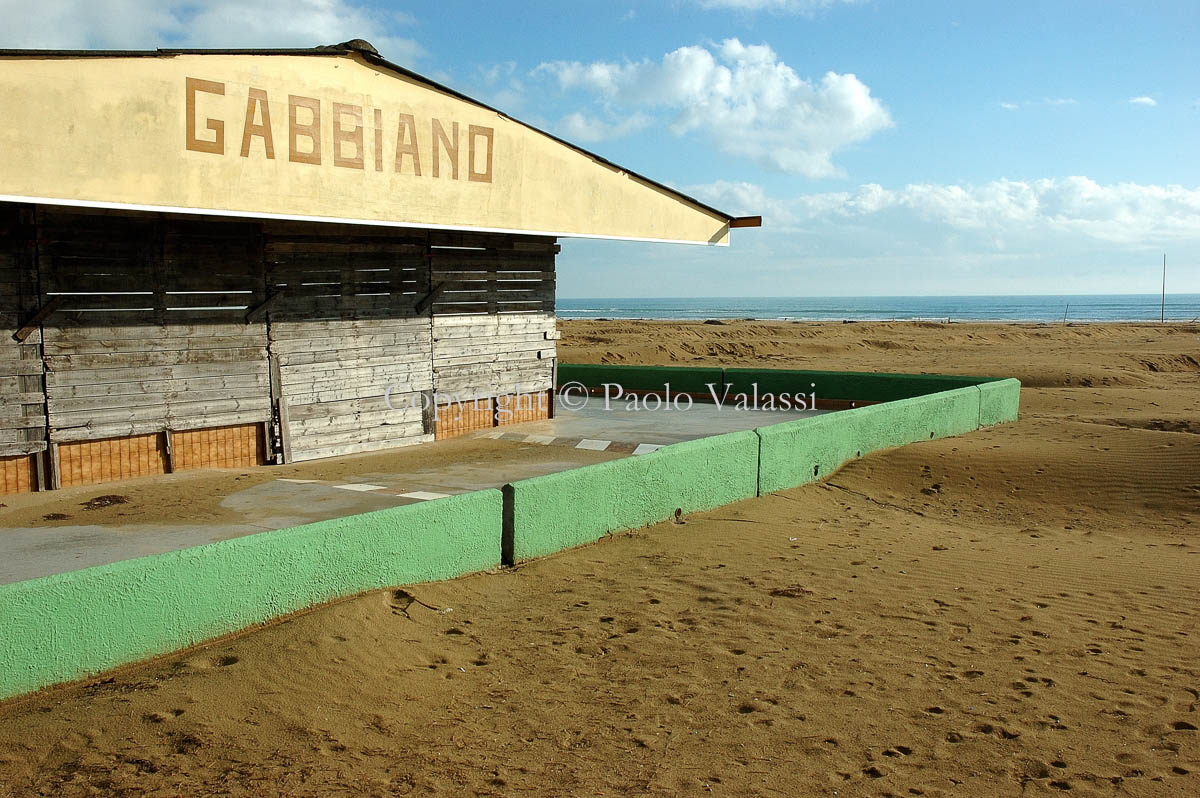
x: 236, y: 257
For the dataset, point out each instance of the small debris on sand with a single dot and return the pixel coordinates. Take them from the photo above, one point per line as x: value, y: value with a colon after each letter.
x: 100, y: 502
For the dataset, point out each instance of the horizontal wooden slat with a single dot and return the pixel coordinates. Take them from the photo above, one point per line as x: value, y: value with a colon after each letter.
x: 254, y: 409
x: 189, y: 331
x: 155, y: 343
x: 349, y: 359
x: 83, y: 404
x: 22, y: 448
x: 338, y: 392
x: 357, y: 447
x: 290, y: 330
x: 372, y: 376
x: 344, y: 422
x: 107, y: 360
x: 234, y: 384
x: 215, y: 369
x: 333, y: 345
x: 13, y: 368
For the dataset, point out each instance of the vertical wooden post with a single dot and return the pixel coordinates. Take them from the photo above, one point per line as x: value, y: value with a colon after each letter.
x: 169, y: 445
x: 53, y: 473
x: 279, y: 403
x: 49, y: 475
x: 428, y: 412
x: 39, y: 472
x: 285, y: 434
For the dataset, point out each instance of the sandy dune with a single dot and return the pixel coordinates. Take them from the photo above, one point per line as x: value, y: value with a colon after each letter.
x: 1012, y: 612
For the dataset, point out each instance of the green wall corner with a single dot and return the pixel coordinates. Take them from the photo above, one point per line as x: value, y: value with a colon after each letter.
x: 69, y: 626
x: 999, y: 402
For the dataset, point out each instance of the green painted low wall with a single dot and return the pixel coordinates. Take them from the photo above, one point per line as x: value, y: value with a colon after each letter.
x: 846, y: 385
x: 683, y: 379
x: 808, y: 449
x: 69, y: 626
x: 554, y: 512
x: 999, y: 401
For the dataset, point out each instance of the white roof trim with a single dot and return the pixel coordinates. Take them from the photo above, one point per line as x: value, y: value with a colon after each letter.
x: 335, y: 220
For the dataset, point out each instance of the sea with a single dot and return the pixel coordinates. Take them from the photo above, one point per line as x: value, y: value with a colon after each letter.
x: 1050, y: 308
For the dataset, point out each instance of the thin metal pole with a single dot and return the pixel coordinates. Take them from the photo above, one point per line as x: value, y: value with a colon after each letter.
x: 1162, y: 314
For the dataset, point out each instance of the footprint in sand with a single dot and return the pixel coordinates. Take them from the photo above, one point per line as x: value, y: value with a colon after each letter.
x: 899, y: 750
x: 161, y: 717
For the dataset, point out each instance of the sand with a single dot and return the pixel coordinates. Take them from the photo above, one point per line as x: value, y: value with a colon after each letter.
x: 198, y: 496
x: 1011, y: 612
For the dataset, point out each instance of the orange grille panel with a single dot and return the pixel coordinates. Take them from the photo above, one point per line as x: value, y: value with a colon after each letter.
x: 17, y: 473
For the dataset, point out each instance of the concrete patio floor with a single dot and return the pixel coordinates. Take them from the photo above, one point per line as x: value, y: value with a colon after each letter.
x: 59, y: 531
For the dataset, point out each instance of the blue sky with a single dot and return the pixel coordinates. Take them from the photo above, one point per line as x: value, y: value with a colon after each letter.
x: 892, y: 147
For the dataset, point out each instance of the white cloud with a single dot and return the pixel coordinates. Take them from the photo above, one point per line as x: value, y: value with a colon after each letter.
x: 1143, y: 100
x: 581, y: 127
x: 1009, y: 106
x: 744, y: 99
x: 1010, y: 212
x: 147, y: 24
x: 779, y: 6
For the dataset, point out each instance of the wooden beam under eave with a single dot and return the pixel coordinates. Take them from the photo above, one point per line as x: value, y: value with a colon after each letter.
x: 745, y: 221
x: 37, y: 318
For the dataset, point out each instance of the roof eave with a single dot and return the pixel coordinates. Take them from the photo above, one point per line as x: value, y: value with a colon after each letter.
x: 372, y: 57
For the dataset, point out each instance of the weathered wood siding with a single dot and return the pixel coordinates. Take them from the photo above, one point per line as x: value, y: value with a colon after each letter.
x: 347, y: 337
x: 151, y: 333
x: 23, y: 410
x: 493, y: 326
x: 494, y: 319
x: 256, y: 338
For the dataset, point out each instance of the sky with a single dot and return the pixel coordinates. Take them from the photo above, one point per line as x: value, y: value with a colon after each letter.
x: 893, y: 147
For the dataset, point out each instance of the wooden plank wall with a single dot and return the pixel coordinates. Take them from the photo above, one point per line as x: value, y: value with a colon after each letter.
x: 93, y: 462
x: 18, y: 473
x: 458, y: 418
x: 347, y: 337
x: 168, y: 322
x: 237, y: 446
x: 493, y: 323
x: 23, y: 411
x: 151, y: 334
x: 522, y: 407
